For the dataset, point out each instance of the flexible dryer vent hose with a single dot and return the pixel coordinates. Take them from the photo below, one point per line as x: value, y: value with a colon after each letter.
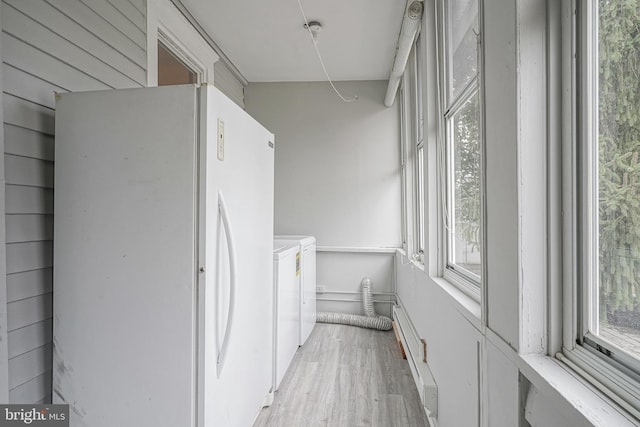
x: 369, y: 320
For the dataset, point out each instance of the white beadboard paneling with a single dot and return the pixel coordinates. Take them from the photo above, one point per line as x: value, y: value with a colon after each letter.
x: 26, y: 86
x: 29, y: 228
x: 34, y: 390
x: 51, y: 18
x: 118, y: 20
x: 22, y: 367
x: 24, y: 28
x: 28, y: 200
x: 28, y: 284
x: 29, y: 256
x: 28, y: 143
x: 28, y: 171
x: 227, y: 83
x: 131, y: 13
x: 20, y: 112
x: 94, y: 23
x: 28, y: 311
x: 25, y: 57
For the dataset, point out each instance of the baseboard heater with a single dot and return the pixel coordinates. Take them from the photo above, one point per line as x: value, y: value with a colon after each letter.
x: 415, y: 351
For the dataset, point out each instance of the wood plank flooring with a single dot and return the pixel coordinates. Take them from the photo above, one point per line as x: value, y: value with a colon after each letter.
x: 346, y: 376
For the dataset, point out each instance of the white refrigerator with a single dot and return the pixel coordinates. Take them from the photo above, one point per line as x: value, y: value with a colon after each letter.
x: 163, y: 259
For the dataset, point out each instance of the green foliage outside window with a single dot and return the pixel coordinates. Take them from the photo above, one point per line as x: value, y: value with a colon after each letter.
x: 619, y: 163
x: 467, y: 173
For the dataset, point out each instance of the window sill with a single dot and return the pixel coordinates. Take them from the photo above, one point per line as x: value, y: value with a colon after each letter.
x: 603, y: 376
x: 567, y: 394
x: 466, y: 286
x: 417, y: 263
x: 465, y: 304
x: 410, y: 259
x: 468, y: 306
x: 557, y: 380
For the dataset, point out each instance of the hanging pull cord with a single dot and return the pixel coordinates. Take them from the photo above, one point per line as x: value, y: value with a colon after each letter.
x: 315, y: 46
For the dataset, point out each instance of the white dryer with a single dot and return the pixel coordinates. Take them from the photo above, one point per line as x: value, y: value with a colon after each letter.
x: 286, y: 311
x: 307, y: 283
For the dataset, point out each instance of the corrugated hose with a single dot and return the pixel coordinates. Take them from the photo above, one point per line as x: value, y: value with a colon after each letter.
x: 370, y: 319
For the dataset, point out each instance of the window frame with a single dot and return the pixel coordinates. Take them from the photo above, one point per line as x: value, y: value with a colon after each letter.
x: 166, y: 24
x: 413, y: 157
x: 403, y: 166
x: 450, y: 105
x: 419, y: 147
x: 192, y: 73
x: 606, y: 366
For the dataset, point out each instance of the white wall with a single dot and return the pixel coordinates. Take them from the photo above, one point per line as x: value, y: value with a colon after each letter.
x: 343, y: 272
x: 337, y: 173
x: 337, y: 176
x: 452, y: 343
x: 228, y: 83
x: 4, y: 359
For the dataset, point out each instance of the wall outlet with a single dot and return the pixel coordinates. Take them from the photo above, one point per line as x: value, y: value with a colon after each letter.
x: 320, y: 289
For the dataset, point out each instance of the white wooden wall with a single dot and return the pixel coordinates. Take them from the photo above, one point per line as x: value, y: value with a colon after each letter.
x: 227, y: 83
x: 50, y: 46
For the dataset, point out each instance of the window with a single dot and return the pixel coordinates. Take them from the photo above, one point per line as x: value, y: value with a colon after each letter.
x: 615, y: 144
x: 171, y: 70
x: 462, y: 144
x: 418, y: 143
x: 605, y: 325
x: 412, y: 153
x: 403, y: 166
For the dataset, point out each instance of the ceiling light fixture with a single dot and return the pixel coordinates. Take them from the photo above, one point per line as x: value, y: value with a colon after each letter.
x: 314, y: 27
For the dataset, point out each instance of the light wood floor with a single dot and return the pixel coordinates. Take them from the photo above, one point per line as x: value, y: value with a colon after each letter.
x: 346, y: 376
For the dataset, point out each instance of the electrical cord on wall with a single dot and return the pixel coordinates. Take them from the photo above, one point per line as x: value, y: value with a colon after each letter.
x: 315, y: 46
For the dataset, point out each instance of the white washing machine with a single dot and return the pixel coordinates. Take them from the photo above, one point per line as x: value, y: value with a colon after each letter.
x: 286, y: 311
x: 308, y: 282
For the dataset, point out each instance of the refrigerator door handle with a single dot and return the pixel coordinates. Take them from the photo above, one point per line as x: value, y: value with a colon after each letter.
x: 232, y: 276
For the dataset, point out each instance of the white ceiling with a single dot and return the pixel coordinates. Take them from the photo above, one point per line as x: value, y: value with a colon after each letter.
x: 266, y: 40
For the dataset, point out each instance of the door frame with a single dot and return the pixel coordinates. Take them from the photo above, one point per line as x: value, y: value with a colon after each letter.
x: 166, y: 24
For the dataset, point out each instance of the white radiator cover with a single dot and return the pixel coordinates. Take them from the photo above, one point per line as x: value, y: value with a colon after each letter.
x: 420, y: 371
